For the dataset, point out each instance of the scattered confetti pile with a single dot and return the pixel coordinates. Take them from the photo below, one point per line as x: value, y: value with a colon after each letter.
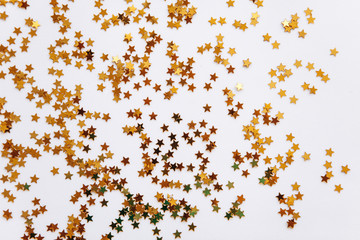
x: 174, y: 155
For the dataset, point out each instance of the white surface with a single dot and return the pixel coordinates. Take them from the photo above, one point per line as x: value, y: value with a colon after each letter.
x: 328, y: 119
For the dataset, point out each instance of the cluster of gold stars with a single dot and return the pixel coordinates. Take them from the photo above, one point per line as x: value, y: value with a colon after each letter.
x: 69, y: 130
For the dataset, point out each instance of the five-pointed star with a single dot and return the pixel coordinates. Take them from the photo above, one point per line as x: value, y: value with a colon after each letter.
x: 35, y: 24
x: 266, y: 37
x: 333, y: 52
x: 115, y: 59
x: 338, y: 188
x: 275, y: 45
x: 285, y: 23
x: 239, y: 86
x: 345, y: 169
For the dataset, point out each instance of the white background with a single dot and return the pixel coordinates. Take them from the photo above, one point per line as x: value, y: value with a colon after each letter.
x: 328, y: 119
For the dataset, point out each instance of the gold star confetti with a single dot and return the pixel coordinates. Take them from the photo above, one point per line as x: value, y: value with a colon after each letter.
x: 333, y: 52
x: 239, y: 86
x: 100, y: 120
